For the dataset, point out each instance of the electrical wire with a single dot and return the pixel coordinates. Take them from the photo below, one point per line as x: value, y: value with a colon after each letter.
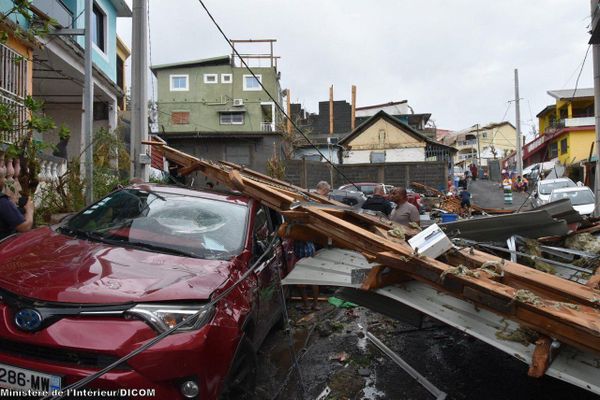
x: 580, y: 71
x: 279, y: 107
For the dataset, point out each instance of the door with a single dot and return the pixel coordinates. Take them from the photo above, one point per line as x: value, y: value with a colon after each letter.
x: 268, y: 292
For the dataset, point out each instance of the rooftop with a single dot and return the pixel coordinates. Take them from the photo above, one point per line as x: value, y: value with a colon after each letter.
x: 220, y: 60
x: 571, y: 93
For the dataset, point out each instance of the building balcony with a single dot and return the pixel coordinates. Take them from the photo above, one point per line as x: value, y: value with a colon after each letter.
x: 466, y: 143
x: 267, y: 127
x: 579, y: 121
x: 55, y: 10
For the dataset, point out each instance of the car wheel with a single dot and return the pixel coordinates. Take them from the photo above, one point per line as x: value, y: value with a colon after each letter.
x: 241, y: 382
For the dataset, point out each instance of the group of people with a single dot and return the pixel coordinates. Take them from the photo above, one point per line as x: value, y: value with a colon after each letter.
x: 403, y: 213
x: 517, y: 183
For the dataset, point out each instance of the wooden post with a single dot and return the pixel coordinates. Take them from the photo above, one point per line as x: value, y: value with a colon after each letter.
x: 331, y: 109
x: 353, y: 117
x: 289, y: 111
x: 304, y: 174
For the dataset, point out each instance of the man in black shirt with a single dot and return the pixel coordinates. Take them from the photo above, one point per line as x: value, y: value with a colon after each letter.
x: 377, y: 202
x: 11, y: 219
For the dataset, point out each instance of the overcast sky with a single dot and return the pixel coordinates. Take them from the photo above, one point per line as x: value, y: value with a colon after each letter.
x: 454, y: 59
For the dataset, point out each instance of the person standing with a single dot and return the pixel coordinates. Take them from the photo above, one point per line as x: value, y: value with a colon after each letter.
x: 404, y: 213
x: 377, y: 202
x: 323, y: 188
x: 473, y: 169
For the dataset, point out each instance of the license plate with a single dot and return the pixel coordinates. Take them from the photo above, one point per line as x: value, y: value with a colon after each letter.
x: 25, y: 379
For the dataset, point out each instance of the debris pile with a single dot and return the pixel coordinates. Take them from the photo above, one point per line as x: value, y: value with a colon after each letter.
x: 517, y: 292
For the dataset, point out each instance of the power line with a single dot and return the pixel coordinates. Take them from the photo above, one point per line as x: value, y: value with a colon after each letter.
x: 279, y: 107
x: 581, y: 70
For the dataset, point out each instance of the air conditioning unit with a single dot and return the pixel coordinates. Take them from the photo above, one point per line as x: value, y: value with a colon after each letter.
x: 238, y: 102
x: 332, y: 140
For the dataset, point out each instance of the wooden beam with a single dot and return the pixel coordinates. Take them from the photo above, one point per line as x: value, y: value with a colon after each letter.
x: 331, y: 110
x: 353, y: 116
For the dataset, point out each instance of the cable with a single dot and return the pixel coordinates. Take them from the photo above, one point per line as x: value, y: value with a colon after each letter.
x: 279, y: 107
x: 580, y: 71
x: 82, y: 382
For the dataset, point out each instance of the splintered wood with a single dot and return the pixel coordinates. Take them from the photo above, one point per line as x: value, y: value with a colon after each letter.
x: 554, y: 307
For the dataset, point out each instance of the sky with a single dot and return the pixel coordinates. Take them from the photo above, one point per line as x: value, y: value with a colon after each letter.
x: 454, y: 59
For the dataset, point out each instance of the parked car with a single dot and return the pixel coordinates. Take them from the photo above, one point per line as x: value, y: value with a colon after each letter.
x: 349, y: 197
x: 367, y: 188
x: 543, y: 189
x: 78, y: 296
x: 582, y: 198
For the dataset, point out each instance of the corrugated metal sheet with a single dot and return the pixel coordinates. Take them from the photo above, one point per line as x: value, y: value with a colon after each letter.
x: 336, y: 267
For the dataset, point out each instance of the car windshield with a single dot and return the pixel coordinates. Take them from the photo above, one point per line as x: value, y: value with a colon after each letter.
x: 547, y: 188
x: 578, y: 197
x: 164, y: 222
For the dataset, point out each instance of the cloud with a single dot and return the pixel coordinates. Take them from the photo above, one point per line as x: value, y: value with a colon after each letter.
x: 454, y: 59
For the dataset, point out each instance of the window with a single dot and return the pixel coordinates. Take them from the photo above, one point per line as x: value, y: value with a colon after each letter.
x: 99, y: 28
x: 180, y: 117
x: 251, y: 83
x: 553, y: 152
x: 382, y: 137
x: 179, y: 83
x: 13, y: 92
x: 563, y: 146
x: 378, y: 156
x: 232, y: 118
x: 226, y: 78
x: 484, y: 135
x: 211, y: 78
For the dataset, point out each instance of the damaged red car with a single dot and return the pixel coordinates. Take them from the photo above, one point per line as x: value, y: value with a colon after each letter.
x: 79, y: 296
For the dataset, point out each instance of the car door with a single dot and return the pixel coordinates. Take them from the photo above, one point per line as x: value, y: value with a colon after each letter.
x: 267, y: 272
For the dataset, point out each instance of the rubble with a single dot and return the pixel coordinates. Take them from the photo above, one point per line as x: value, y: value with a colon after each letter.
x: 329, y: 223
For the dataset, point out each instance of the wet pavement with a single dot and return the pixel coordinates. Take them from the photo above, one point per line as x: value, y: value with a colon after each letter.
x: 334, y: 353
x: 489, y: 194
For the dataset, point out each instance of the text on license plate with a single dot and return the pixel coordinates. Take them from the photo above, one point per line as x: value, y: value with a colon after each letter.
x: 25, y: 379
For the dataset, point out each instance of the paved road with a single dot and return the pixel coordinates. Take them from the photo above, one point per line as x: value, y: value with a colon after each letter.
x: 489, y: 195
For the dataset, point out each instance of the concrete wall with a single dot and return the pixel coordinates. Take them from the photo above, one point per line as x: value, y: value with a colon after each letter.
x: 309, y: 173
x: 107, y: 60
x: 69, y: 115
x: 391, y: 155
x: 204, y: 100
x: 256, y: 150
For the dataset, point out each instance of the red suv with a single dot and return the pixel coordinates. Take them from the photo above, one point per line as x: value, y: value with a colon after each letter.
x: 78, y: 296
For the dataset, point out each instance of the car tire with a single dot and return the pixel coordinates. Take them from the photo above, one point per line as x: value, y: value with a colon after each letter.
x: 241, y: 381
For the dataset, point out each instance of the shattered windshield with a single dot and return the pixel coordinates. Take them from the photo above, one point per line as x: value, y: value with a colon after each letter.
x: 547, y: 188
x: 578, y: 197
x: 164, y: 222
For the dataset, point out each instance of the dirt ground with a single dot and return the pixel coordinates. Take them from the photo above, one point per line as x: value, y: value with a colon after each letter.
x: 334, y: 353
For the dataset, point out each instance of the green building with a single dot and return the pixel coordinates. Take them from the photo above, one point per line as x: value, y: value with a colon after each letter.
x: 215, y: 110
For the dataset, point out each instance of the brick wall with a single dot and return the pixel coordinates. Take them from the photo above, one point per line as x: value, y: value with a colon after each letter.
x: 308, y: 173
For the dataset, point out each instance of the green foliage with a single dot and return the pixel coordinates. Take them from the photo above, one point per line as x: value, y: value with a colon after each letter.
x: 33, y: 26
x: 111, y: 169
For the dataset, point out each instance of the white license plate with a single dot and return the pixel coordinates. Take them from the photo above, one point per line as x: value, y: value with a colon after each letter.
x: 25, y: 379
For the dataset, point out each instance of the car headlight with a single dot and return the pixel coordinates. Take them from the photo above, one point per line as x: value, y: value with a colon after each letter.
x: 163, y: 317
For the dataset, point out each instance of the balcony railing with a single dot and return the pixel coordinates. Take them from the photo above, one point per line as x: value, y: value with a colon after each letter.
x: 13, y: 91
x: 267, y: 127
x: 579, y: 121
x: 470, y: 142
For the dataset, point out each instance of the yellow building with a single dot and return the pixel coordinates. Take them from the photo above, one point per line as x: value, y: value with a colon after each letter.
x: 566, y: 129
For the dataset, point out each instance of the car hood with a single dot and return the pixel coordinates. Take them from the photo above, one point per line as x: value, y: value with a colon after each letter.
x: 46, y: 265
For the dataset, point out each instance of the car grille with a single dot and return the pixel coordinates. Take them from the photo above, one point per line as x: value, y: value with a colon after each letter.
x: 60, y: 355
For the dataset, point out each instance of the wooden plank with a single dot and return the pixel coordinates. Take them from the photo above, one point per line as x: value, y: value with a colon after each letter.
x: 541, y: 357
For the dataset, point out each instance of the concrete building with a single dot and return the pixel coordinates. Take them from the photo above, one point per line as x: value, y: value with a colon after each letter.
x: 480, y: 143
x: 214, y: 109
x: 384, y: 139
x: 567, y: 129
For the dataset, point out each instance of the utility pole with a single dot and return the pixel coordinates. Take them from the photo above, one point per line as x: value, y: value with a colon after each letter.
x: 289, y: 111
x: 139, y: 91
x: 331, y: 110
x: 88, y: 108
x: 478, y: 148
x: 519, y: 143
x: 353, y: 117
x: 596, y: 60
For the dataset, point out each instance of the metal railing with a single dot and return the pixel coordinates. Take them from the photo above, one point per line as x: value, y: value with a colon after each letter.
x: 267, y: 127
x: 13, y: 91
